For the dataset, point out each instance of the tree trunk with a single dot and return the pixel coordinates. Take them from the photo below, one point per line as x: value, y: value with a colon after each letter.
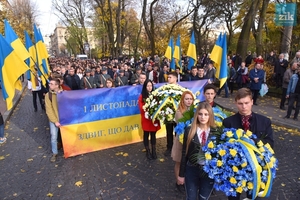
x: 242, y: 45
x: 258, y: 39
x: 286, y: 39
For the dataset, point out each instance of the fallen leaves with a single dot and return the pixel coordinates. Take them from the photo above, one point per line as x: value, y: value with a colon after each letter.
x: 49, y: 195
x: 22, y: 170
x: 282, y: 184
x: 2, y: 157
x: 125, y: 154
x: 78, y: 183
x: 29, y: 159
x: 162, y: 160
x: 59, y: 185
x: 125, y: 172
x: 121, y: 153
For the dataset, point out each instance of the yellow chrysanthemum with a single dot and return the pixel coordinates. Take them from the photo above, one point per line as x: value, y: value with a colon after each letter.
x: 239, y: 189
x: 222, y: 152
x: 181, y: 138
x: 261, y: 149
x: 232, y: 180
x: 250, y: 185
x: 229, y: 134
x: 260, y: 144
x: 244, y: 164
x: 210, y: 145
x: 235, y: 169
x: 248, y: 133
x: 207, y: 156
x: 233, y: 152
x: 244, y: 183
x: 219, y: 163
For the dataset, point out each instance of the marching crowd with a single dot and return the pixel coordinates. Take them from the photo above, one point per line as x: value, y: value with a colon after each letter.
x: 72, y: 74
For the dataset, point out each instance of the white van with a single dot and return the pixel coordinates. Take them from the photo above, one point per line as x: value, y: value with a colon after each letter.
x: 81, y: 57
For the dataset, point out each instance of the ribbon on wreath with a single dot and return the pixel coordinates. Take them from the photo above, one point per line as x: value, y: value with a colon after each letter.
x: 167, y: 99
x: 249, y: 149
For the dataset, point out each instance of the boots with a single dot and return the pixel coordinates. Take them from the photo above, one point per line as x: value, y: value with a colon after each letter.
x: 148, y: 153
x: 154, y: 156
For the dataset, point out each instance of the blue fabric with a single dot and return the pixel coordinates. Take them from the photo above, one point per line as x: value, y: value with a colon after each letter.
x: 54, y: 134
x: 197, y: 184
x: 256, y: 74
x: 292, y: 84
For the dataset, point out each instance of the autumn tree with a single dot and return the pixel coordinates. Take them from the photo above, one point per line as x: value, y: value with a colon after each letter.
x: 75, y: 15
x: 21, y: 14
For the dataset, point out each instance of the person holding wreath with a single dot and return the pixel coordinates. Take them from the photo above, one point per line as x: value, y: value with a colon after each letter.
x: 148, y: 127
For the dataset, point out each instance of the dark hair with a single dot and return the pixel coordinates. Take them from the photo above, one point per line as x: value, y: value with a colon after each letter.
x: 242, y: 93
x: 173, y: 74
x: 144, y: 92
x: 210, y: 86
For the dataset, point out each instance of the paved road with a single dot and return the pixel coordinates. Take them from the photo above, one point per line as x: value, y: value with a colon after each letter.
x: 27, y: 172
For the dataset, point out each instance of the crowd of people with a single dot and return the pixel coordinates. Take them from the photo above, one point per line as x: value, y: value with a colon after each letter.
x: 72, y: 74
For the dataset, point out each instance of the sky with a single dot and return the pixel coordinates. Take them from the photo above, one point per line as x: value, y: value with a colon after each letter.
x: 46, y: 18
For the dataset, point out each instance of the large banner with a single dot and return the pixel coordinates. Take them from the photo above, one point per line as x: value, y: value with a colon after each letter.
x: 103, y: 118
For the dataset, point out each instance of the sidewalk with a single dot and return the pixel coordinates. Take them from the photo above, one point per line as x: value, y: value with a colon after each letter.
x: 267, y: 106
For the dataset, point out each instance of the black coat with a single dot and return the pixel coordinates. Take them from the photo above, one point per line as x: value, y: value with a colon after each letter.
x: 280, y: 67
x: 259, y: 125
x: 194, y: 148
x: 72, y: 81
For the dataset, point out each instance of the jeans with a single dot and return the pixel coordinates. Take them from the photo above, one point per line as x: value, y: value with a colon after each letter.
x: 54, y: 133
x: 2, y: 131
x: 197, y: 184
x: 294, y: 97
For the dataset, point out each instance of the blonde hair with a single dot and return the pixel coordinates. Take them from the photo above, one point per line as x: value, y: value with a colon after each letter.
x: 181, y: 106
x: 196, y: 123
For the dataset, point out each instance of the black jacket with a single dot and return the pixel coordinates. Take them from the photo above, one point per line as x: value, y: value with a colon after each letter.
x: 259, y: 125
x: 72, y: 81
x: 194, y: 149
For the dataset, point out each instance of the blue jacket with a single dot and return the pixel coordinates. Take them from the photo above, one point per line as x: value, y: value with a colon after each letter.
x: 292, y: 84
x: 256, y: 74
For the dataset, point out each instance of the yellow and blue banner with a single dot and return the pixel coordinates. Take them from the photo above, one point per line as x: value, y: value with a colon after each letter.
x: 12, y: 67
x: 30, y: 61
x: 177, y: 53
x: 219, y: 56
x: 169, y: 54
x: 103, y: 118
x: 191, y: 52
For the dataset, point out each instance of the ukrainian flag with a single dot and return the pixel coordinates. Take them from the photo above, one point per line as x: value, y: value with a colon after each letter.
x: 12, y: 38
x: 177, y: 53
x: 191, y: 52
x: 30, y: 61
x: 41, y: 54
x: 219, y: 56
x: 12, y: 67
x: 169, y: 54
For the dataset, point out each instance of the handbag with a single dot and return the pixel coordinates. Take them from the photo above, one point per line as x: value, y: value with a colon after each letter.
x: 264, y: 89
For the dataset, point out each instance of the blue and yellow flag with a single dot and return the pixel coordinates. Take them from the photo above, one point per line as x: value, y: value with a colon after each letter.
x: 42, y: 55
x: 177, y: 53
x: 12, y: 67
x: 12, y: 38
x: 30, y: 61
x: 169, y: 54
x: 219, y: 56
x: 191, y: 52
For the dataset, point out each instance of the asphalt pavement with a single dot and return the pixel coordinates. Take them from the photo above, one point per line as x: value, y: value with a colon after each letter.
x: 122, y: 172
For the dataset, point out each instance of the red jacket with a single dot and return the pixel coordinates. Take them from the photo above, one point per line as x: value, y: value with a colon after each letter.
x: 147, y: 124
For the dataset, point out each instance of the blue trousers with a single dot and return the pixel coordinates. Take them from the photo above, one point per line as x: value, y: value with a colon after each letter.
x: 197, y: 184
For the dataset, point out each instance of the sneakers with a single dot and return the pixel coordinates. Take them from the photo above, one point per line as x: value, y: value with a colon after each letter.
x: 53, y: 158
x: 2, y: 140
